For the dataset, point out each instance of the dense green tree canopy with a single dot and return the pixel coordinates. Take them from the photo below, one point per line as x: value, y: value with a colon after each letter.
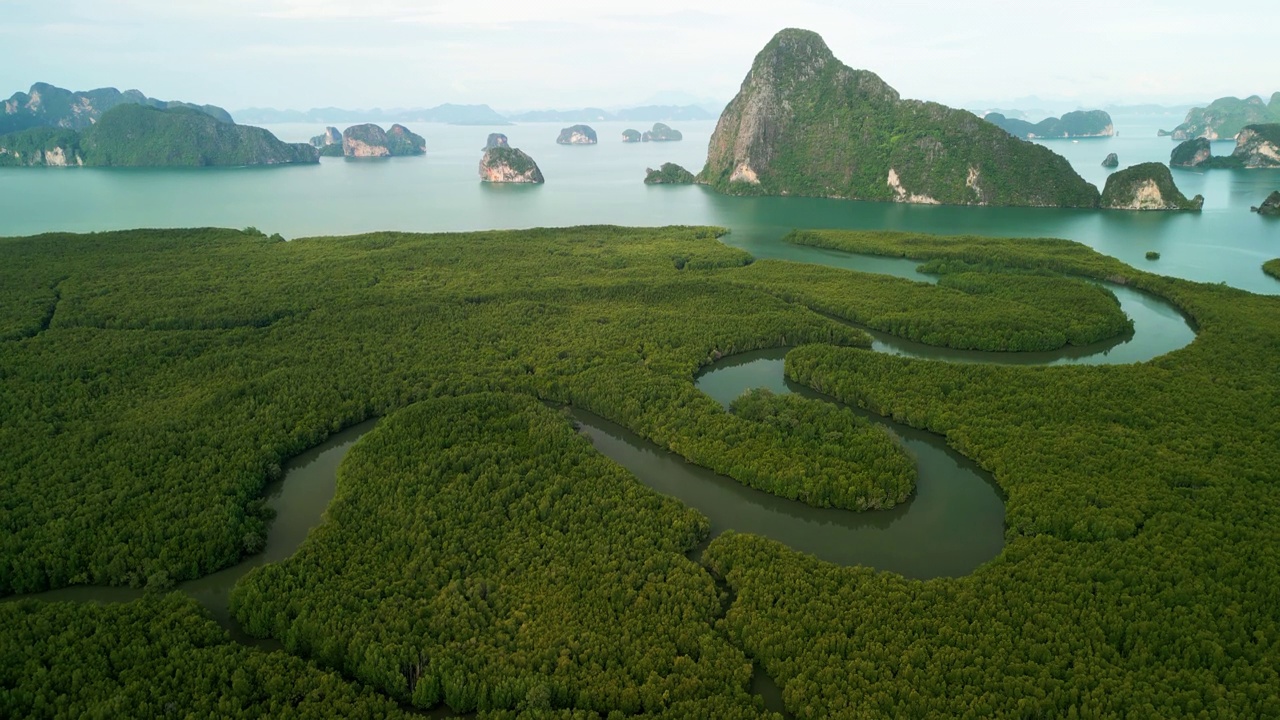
x: 131, y: 135
x: 480, y: 554
x: 158, y: 657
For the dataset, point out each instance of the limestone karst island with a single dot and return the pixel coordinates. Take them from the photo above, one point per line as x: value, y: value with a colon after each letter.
x: 767, y: 392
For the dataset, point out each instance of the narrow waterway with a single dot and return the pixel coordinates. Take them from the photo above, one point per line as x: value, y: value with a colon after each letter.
x: 953, y: 523
x: 299, y: 499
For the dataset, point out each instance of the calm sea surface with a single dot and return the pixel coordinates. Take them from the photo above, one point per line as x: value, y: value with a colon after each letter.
x: 603, y: 184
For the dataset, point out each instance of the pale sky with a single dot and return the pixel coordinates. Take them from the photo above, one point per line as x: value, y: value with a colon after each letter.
x: 572, y: 53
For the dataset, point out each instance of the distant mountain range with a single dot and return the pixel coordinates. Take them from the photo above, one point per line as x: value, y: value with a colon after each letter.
x: 46, y: 105
x: 447, y: 113
x: 646, y: 113
x: 1033, y: 114
x: 473, y: 115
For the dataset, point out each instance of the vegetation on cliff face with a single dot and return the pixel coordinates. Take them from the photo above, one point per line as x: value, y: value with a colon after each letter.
x: 1257, y: 146
x: 668, y: 174
x: 1111, y: 161
x: 631, y: 135
x: 1075, y: 124
x: 577, y: 135
x: 505, y: 164
x: 1191, y: 153
x: 661, y: 133
x: 41, y: 146
x: 369, y: 140
x: 1146, y: 186
x: 1226, y: 117
x: 803, y: 123
x: 1270, y: 206
x: 131, y: 135
x: 1272, y: 268
x: 330, y: 137
x: 136, y: 135
x: 45, y: 105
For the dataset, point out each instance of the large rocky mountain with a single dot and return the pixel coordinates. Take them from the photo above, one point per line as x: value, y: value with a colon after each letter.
x: 45, y: 105
x: 804, y: 123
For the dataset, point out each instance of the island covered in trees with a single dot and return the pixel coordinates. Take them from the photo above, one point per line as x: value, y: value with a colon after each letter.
x: 1257, y: 146
x: 369, y: 141
x: 1225, y: 117
x: 482, y: 555
x: 140, y: 135
x: 804, y: 123
x: 1075, y: 124
x: 668, y: 174
x: 49, y: 106
x: 577, y: 135
x: 1146, y: 186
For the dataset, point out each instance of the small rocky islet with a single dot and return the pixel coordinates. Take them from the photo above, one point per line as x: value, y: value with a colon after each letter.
x: 368, y: 140
x: 1146, y: 186
x: 1257, y: 146
x: 668, y: 174
x: 577, y: 135
x: 1270, y: 206
x: 502, y: 163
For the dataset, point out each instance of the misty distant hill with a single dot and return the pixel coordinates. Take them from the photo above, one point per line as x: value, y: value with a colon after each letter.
x: 472, y: 115
x: 646, y: 113
x: 49, y: 106
x: 1147, y: 109
x: 446, y: 113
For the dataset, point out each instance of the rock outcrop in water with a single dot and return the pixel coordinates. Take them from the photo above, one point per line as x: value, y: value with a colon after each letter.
x: 496, y: 140
x: 1270, y: 206
x: 1191, y: 153
x: 1225, y: 118
x: 369, y: 140
x: 134, y: 135
x: 668, y: 174
x: 577, y: 135
x: 505, y: 164
x: 329, y: 143
x: 46, y: 105
x: 1076, y: 124
x: 631, y: 135
x: 1257, y: 146
x: 661, y: 133
x: 1148, y: 186
x: 1111, y: 161
x: 804, y: 123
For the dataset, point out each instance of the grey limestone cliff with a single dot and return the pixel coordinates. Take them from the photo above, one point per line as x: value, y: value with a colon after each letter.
x: 803, y: 123
x: 505, y: 164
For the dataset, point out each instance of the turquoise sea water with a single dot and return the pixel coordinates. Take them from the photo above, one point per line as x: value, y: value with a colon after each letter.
x: 602, y: 184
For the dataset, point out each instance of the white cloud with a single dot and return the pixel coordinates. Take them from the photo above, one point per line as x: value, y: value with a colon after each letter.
x: 567, y: 52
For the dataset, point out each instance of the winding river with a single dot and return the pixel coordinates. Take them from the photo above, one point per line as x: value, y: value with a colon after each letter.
x: 953, y: 523
x: 299, y: 499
